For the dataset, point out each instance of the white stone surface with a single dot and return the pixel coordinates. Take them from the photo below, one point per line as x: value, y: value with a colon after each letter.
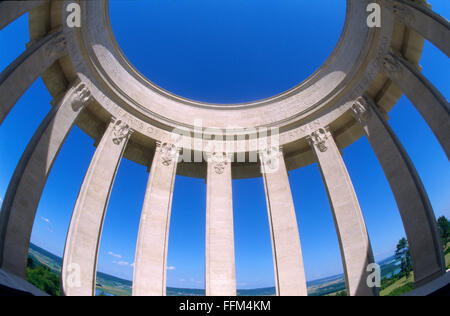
x: 354, y: 242
x: 11, y: 10
x: 412, y: 200
x: 290, y: 277
x: 220, y: 272
x: 80, y: 255
x: 151, y: 250
x: 23, y: 71
x: 429, y: 102
x: 24, y: 191
x: 424, y: 21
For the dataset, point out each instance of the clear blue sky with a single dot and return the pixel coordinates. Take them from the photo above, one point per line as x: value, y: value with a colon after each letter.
x: 225, y: 51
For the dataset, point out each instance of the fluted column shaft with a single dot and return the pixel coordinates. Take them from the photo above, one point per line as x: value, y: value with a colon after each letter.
x: 412, y: 200
x: 23, y: 71
x: 12, y: 10
x: 287, y: 253
x: 29, y: 178
x: 430, y: 103
x: 151, y: 250
x: 81, y: 251
x: 220, y: 273
x: 356, y: 250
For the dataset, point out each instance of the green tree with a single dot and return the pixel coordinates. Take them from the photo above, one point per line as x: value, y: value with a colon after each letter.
x: 44, y: 279
x: 30, y: 263
x: 444, y: 229
x: 403, y: 255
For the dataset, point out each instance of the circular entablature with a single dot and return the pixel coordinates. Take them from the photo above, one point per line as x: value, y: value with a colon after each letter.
x: 323, y: 99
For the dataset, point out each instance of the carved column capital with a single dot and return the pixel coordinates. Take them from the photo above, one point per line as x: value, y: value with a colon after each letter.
x: 168, y: 152
x: 219, y: 160
x: 319, y: 139
x: 361, y: 109
x: 392, y: 67
x: 270, y: 158
x: 121, y: 131
x: 80, y: 97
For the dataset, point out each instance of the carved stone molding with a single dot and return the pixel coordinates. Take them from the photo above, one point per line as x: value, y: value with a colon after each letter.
x: 392, y: 67
x: 56, y: 47
x: 169, y: 153
x: 361, y: 109
x: 80, y: 97
x: 121, y: 131
x: 219, y: 161
x: 319, y: 139
x: 270, y: 158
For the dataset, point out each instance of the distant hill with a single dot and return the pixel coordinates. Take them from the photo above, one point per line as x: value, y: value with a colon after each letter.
x: 111, y: 285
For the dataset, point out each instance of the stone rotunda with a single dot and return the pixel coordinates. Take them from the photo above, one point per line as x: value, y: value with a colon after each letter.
x: 350, y: 95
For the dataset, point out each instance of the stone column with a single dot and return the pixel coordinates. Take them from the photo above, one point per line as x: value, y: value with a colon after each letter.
x: 424, y: 21
x: 12, y: 10
x: 412, y: 200
x: 356, y: 250
x: 151, y: 250
x: 220, y: 273
x: 23, y: 71
x: 28, y: 181
x: 80, y: 255
x: 287, y: 253
x: 430, y: 103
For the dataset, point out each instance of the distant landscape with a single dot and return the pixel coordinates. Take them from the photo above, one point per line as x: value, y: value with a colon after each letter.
x: 397, y: 275
x: 113, y: 286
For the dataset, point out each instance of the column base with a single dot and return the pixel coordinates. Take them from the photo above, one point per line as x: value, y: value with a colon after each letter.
x: 428, y: 279
x: 440, y: 286
x: 12, y: 285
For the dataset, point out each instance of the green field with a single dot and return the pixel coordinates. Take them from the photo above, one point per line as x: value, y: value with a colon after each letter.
x: 404, y: 285
x: 399, y: 287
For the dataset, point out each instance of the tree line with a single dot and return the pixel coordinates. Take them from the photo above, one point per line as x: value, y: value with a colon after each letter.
x: 403, y: 255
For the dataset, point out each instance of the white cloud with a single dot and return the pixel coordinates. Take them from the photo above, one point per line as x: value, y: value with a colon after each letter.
x: 45, y: 220
x: 123, y: 263
x: 115, y: 255
x: 170, y: 268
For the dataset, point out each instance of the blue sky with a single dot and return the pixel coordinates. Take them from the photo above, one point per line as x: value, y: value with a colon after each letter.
x: 226, y: 51
x: 253, y: 49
